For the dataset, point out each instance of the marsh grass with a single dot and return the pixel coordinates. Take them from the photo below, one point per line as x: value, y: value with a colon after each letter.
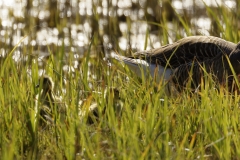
x: 202, y: 125
x: 187, y: 126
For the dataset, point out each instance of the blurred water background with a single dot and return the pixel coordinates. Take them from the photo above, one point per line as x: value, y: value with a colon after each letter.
x: 110, y: 25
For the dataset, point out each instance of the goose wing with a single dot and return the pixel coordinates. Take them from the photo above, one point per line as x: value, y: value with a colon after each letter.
x: 218, y: 67
x: 193, y: 72
x: 199, y: 48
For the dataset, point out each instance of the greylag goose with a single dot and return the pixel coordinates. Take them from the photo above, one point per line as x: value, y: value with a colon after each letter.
x: 174, y: 61
x: 47, y: 102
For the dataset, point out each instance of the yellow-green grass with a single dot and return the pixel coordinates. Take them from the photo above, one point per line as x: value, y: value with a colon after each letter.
x: 204, y: 125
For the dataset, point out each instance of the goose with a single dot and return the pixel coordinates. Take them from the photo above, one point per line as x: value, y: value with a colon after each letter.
x: 173, y: 62
x: 46, y: 100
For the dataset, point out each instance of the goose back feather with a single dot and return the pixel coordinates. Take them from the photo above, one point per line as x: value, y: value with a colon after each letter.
x: 199, y: 48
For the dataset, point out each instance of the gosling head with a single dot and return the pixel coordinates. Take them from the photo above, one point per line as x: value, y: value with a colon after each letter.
x: 47, y: 83
x: 46, y: 95
x: 113, y: 94
x: 112, y: 97
x: 44, y: 99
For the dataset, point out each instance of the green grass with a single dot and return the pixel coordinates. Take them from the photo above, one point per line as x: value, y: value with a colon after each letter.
x: 187, y: 126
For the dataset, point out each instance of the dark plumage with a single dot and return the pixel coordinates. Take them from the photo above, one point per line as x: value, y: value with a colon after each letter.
x: 198, y: 48
x: 219, y: 67
x: 184, y: 60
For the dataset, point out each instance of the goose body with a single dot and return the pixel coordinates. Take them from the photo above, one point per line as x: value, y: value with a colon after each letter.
x: 199, y: 48
x: 219, y: 67
x: 175, y: 61
x: 142, y: 67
